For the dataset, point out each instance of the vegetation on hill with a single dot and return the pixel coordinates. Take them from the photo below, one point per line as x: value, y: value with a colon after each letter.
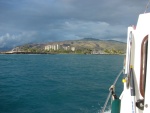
x: 84, y: 46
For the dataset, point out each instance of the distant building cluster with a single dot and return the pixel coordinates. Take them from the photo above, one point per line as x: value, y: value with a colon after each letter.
x: 56, y: 47
x: 97, y: 52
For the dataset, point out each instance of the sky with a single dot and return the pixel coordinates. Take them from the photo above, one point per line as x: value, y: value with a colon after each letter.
x: 42, y: 21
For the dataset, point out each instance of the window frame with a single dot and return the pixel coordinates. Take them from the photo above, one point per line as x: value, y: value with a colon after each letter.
x: 143, y: 66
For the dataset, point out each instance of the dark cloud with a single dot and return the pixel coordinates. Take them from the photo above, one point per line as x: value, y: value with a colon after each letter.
x: 26, y: 21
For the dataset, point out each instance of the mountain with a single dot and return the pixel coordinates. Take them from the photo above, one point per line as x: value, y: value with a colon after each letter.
x: 90, y: 39
x: 83, y: 46
x: 95, y: 44
x: 5, y: 49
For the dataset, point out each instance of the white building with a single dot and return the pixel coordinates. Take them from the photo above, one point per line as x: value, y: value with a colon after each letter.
x: 58, y: 47
x: 73, y: 49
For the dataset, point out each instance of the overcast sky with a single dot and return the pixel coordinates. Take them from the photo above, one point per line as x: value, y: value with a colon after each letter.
x: 39, y: 21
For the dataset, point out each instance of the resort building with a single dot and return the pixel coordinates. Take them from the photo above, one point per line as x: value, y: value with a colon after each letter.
x: 73, y: 49
x: 58, y: 47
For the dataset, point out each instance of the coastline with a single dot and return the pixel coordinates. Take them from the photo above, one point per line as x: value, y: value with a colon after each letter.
x: 9, y: 53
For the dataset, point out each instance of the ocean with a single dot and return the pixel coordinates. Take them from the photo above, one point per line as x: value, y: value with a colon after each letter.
x: 61, y: 83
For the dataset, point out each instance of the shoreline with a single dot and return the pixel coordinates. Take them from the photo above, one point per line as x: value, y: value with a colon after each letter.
x: 8, y: 53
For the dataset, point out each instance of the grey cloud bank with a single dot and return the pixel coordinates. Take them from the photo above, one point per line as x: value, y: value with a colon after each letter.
x: 35, y: 21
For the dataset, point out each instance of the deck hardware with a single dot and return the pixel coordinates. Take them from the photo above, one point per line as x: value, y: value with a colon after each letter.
x: 140, y: 104
x: 146, y: 105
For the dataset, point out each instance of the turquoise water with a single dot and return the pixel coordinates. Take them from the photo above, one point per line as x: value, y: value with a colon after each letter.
x: 57, y: 83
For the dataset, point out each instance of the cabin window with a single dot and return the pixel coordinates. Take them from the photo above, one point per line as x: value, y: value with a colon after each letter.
x: 144, y: 51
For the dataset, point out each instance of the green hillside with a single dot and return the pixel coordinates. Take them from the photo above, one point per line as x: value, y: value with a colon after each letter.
x: 83, y: 46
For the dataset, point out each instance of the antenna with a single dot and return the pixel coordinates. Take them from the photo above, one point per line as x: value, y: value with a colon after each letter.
x: 147, y: 6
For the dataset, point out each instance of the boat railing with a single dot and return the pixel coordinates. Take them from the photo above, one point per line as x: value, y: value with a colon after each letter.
x: 110, y: 91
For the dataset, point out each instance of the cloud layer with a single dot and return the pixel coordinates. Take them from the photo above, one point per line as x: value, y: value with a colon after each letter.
x: 30, y: 21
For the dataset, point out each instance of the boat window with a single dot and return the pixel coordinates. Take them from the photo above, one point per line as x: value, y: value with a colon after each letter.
x: 144, y: 50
